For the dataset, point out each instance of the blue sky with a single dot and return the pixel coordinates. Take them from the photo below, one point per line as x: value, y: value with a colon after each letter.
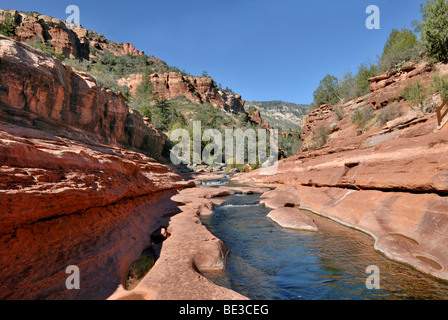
x: 264, y: 50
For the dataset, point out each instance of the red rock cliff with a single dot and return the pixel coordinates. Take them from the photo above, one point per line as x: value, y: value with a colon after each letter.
x: 388, y: 178
x: 75, y: 186
x: 39, y: 91
x: 30, y: 27
x: 197, y: 89
x: 73, y: 42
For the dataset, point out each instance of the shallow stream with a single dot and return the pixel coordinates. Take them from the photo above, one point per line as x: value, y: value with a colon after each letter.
x: 267, y: 262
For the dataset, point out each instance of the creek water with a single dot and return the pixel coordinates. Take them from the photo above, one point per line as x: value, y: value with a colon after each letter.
x: 267, y: 262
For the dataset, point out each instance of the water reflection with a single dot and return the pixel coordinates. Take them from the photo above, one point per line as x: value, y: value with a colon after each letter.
x: 268, y: 262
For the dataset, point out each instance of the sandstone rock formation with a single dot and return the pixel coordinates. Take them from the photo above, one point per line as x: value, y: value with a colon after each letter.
x: 76, y: 188
x: 77, y: 43
x: 190, y: 251
x: 128, y: 48
x: 72, y: 42
x: 388, y: 86
x: 196, y: 89
x: 32, y: 27
x: 291, y: 218
x: 389, y: 180
x: 75, y: 185
x: 37, y: 90
x: 256, y: 118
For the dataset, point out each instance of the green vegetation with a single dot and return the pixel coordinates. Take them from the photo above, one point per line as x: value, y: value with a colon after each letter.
x: 162, y: 112
x: 45, y: 47
x: 331, y: 90
x: 163, y: 115
x: 434, y: 28
x: 401, y: 46
x: 7, y: 28
x: 291, y: 144
x: 327, y: 92
x: 320, y: 138
x: 361, y: 117
x: 252, y: 110
x: 351, y: 87
x: 107, y: 68
x: 138, y: 270
x: 439, y: 84
x: 416, y: 94
x: 212, y: 118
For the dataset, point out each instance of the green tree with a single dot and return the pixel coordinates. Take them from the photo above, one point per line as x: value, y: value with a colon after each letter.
x: 351, y: 87
x: 416, y: 94
x: 362, y: 84
x: 163, y: 114
x: 252, y: 110
x: 401, y: 46
x: 346, y: 86
x: 434, y: 28
x: 439, y: 84
x: 146, y: 88
x: 327, y: 92
x: 243, y: 118
x: 7, y: 28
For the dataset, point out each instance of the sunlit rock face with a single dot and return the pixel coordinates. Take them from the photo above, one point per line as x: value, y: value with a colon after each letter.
x: 78, y: 185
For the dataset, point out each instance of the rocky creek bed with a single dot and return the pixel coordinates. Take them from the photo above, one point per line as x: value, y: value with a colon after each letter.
x: 269, y: 262
x: 227, y: 244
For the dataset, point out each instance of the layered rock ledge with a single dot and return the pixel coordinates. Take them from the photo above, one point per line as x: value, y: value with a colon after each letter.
x: 395, y: 190
x: 292, y: 218
x: 77, y: 183
x: 189, y: 252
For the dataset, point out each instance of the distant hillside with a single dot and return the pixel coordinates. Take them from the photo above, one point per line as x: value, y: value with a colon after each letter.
x: 164, y: 94
x: 282, y: 115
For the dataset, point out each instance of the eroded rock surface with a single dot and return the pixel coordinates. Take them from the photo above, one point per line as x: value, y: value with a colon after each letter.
x: 190, y: 251
x: 293, y: 218
x: 196, y: 89
x: 76, y: 187
x: 387, y: 179
x: 40, y: 92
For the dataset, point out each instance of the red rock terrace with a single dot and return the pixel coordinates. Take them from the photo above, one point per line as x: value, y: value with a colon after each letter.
x: 390, y: 182
x: 76, y: 185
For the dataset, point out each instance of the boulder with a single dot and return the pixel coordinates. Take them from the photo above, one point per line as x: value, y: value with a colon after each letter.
x: 293, y: 218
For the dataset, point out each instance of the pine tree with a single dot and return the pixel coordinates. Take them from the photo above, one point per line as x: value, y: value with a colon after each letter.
x: 7, y: 28
x: 434, y: 28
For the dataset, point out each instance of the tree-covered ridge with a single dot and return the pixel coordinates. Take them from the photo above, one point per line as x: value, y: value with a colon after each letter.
x: 428, y: 41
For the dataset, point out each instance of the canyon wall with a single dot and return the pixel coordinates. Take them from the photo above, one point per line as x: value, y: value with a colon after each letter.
x: 196, y: 89
x: 388, y: 178
x: 83, y: 44
x: 39, y: 91
x: 70, y: 42
x: 32, y: 27
x: 77, y: 183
